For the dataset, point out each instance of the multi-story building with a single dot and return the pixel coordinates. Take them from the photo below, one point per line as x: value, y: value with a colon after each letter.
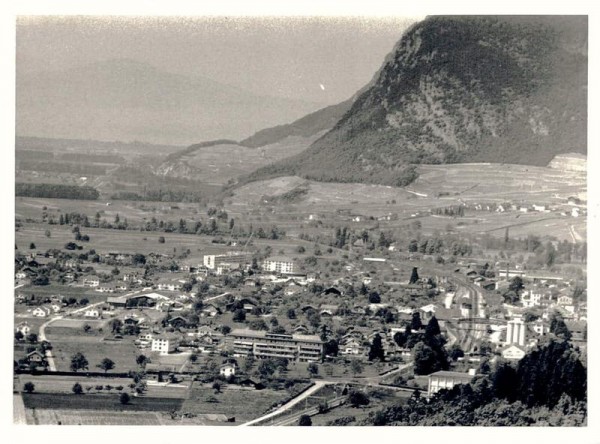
x: 165, y: 343
x: 295, y: 347
x: 446, y: 380
x: 515, y: 332
x: 212, y: 261
x: 278, y: 265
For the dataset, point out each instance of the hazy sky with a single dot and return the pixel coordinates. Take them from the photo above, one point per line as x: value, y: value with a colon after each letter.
x: 319, y: 60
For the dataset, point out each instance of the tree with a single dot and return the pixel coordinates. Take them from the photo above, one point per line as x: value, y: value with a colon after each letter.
x: 225, y: 330
x: 216, y: 387
x: 249, y: 363
x: 84, y: 301
x: 433, y: 327
x: 29, y: 387
x: 32, y: 338
x: 559, y: 328
x: 291, y: 314
x: 305, y: 421
x: 415, y: 323
x: 266, y: 368
x: 424, y: 359
x: 124, y: 398
x: 374, y: 297
x: 141, y: 360
x: 106, y: 364
x: 19, y: 335
x: 161, y: 239
x: 357, y: 399
x: 313, y: 369
x: 414, y: 276
x: 138, y: 259
x: 87, y: 328
x: 456, y: 352
x: 78, y: 362
x: 115, y: 325
x: 77, y: 388
x: 516, y: 285
x: 239, y: 315
x: 376, y: 351
x: 356, y: 367
x: 331, y: 348
x: 32, y: 246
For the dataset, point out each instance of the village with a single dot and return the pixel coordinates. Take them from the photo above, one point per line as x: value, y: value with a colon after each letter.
x: 247, y: 318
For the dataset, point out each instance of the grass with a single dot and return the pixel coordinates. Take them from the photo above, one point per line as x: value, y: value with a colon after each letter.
x: 58, y: 401
x: 244, y: 405
x: 123, y: 352
x: 92, y: 417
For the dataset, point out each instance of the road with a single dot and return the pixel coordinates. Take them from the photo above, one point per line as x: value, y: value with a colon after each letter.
x: 19, y: 416
x: 369, y: 381
x: 42, y: 332
x: 575, y: 235
x: 318, y: 385
x: 293, y: 419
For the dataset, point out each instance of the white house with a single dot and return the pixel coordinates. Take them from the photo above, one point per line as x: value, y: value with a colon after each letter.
x: 165, y: 343
x: 91, y: 281
x: 227, y: 370
x: 565, y: 300
x: 513, y: 352
x: 24, y: 328
x: 41, y: 312
x: 92, y: 313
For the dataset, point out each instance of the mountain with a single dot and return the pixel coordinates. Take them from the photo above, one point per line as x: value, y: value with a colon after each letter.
x: 508, y: 89
x: 219, y: 161
x: 127, y: 100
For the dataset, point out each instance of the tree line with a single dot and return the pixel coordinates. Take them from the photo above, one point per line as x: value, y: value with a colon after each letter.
x: 56, y: 191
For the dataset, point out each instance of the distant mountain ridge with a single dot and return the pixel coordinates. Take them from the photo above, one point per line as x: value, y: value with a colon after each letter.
x: 127, y: 100
x: 460, y: 89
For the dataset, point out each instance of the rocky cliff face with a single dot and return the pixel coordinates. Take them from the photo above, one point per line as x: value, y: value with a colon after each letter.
x: 460, y: 89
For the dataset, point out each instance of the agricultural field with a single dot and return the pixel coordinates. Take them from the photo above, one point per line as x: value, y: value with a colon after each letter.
x: 243, y: 404
x: 92, y: 417
x: 438, y: 186
x: 57, y: 401
x: 94, y: 348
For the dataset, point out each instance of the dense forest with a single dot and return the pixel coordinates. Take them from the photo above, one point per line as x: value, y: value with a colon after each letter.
x: 56, y: 191
x: 547, y: 387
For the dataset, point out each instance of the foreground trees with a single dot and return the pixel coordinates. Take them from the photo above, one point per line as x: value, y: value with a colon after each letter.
x: 79, y: 362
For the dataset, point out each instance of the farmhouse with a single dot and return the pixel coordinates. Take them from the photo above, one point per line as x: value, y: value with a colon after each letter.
x: 36, y: 356
x: 227, y: 370
x: 24, y: 328
x: 41, y: 312
x: 92, y: 313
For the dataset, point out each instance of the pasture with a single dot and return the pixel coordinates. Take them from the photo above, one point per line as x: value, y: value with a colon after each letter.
x: 243, y: 404
x: 94, y: 348
x: 58, y: 401
x: 92, y: 417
